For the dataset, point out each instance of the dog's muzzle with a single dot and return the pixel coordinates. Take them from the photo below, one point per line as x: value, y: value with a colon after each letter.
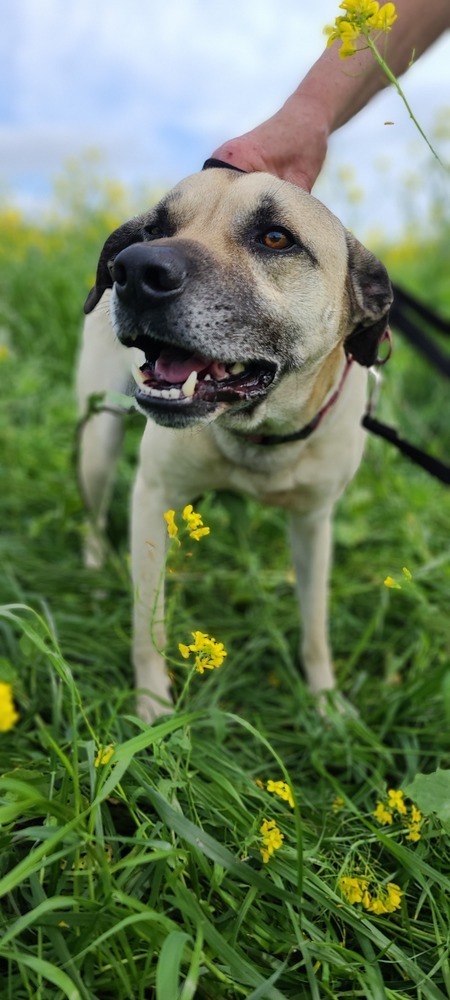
x: 174, y: 380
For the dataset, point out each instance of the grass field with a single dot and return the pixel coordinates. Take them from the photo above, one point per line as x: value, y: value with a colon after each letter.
x: 142, y: 877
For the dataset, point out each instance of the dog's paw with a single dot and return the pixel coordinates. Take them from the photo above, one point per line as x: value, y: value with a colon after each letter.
x: 333, y: 706
x: 150, y: 708
x: 94, y: 549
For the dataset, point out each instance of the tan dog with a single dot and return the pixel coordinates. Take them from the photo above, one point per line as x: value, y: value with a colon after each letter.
x: 254, y: 315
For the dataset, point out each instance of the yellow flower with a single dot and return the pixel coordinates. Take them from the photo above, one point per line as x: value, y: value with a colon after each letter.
x: 416, y: 815
x: 210, y: 653
x: 394, y: 897
x: 411, y: 817
x: 414, y: 823
x: 376, y: 906
x: 383, y: 814
x: 384, y: 18
x: 104, y: 755
x: 338, y: 804
x: 391, y: 583
x: 172, y: 529
x: 272, y: 838
x: 282, y: 789
x: 345, y: 32
x: 194, y: 523
x: 356, y: 890
x: 8, y: 714
x: 361, y: 17
x: 414, y: 833
x: 396, y: 801
x: 353, y: 889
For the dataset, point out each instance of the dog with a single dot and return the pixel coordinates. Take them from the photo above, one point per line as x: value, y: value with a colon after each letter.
x: 253, y: 316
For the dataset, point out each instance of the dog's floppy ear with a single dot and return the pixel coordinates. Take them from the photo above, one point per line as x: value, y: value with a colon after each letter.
x: 370, y: 294
x: 130, y: 232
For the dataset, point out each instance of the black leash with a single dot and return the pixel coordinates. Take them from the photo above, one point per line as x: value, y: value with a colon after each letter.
x: 422, y: 458
x: 403, y: 314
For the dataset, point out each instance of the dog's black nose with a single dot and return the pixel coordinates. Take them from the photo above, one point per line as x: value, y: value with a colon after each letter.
x: 147, y: 275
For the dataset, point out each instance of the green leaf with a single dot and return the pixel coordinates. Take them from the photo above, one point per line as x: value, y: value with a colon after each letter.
x: 168, y: 968
x: 47, y: 971
x: 431, y: 793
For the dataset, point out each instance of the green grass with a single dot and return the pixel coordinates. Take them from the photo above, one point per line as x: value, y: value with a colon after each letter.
x: 143, y: 878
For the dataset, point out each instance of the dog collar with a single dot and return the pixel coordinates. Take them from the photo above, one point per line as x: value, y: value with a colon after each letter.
x: 307, y: 430
x: 213, y: 162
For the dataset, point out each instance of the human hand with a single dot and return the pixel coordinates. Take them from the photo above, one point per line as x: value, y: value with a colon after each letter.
x: 291, y: 145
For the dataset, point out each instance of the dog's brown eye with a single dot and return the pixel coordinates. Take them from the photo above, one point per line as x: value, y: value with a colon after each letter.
x: 276, y: 239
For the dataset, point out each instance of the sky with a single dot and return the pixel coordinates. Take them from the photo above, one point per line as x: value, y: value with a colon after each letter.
x: 155, y: 87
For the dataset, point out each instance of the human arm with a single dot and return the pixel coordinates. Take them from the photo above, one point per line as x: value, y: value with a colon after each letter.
x: 292, y: 144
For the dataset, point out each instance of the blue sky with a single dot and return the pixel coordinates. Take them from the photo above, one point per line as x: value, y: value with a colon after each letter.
x: 155, y: 87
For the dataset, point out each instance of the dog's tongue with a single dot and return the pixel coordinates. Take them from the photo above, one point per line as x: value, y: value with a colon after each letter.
x: 175, y: 366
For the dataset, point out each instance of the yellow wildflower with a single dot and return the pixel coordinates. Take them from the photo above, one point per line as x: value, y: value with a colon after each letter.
x: 353, y: 888
x: 282, y: 789
x: 384, y: 19
x: 345, y: 32
x: 393, y: 584
x: 394, y: 895
x: 414, y: 823
x: 272, y: 838
x: 416, y: 815
x: 414, y: 833
x: 104, y: 755
x: 8, y: 714
x: 338, y: 804
x: 376, y: 906
x: 172, y: 529
x: 396, y: 801
x: 194, y: 523
x: 383, y: 814
x: 360, y: 17
x: 357, y: 890
x: 210, y: 653
x: 411, y: 817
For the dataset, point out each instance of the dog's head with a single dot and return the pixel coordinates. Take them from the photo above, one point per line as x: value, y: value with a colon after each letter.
x: 232, y: 281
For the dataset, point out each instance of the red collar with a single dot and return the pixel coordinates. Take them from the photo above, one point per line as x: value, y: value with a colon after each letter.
x: 272, y: 439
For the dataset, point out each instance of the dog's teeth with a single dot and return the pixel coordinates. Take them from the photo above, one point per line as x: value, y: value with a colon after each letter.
x: 188, y: 387
x: 207, y: 378
x: 237, y: 368
x: 137, y: 375
x: 172, y: 393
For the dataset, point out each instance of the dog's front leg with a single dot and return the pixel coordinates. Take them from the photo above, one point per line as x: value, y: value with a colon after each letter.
x: 103, y: 365
x: 148, y: 549
x: 311, y: 550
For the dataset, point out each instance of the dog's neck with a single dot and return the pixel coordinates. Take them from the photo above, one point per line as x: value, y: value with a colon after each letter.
x: 296, y: 408
x: 307, y: 429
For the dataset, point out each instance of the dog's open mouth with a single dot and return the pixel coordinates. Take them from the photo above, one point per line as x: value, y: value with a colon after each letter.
x: 172, y: 377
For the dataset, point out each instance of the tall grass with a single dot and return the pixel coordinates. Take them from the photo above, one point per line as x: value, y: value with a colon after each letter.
x: 142, y: 877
